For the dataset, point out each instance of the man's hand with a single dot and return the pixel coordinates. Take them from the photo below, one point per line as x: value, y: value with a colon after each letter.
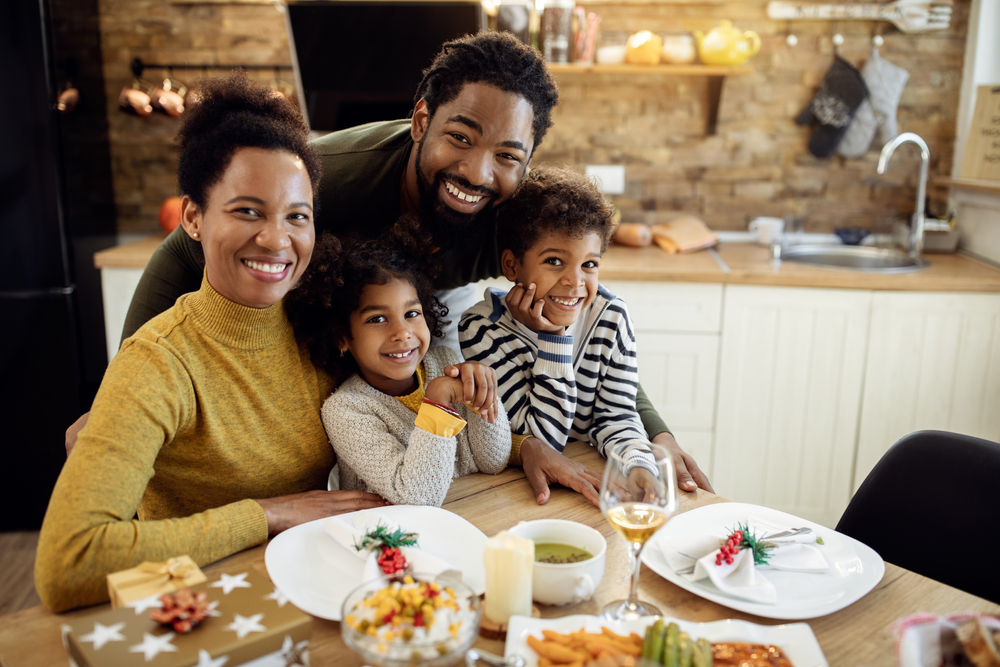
x: 544, y: 465
x: 285, y: 512
x: 689, y: 475
x: 479, y: 387
x: 74, y: 430
x: 528, y: 312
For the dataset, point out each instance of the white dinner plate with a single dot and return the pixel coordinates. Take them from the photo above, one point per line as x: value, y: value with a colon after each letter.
x: 796, y: 640
x: 854, y: 570
x: 316, y: 573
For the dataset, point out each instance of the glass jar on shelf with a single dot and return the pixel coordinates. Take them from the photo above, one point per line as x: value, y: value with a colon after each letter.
x: 679, y: 48
x: 611, y: 47
x: 556, y: 30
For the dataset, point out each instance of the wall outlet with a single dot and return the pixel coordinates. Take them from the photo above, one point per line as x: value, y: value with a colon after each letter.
x: 610, y: 177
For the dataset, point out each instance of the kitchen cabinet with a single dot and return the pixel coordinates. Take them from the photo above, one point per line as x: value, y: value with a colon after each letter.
x: 790, y: 380
x: 933, y: 363
x: 677, y: 340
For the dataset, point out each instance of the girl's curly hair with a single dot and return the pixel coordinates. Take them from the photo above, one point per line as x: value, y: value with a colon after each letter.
x: 319, y: 308
x: 232, y: 112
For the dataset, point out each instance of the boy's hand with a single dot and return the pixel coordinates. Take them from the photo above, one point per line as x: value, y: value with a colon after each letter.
x: 479, y: 387
x: 528, y: 312
x: 643, y: 486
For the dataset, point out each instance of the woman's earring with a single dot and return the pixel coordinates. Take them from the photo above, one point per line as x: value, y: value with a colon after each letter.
x: 195, y: 234
x: 342, y: 352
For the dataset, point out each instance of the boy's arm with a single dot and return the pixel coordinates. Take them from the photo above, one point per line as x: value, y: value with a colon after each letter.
x: 538, y: 395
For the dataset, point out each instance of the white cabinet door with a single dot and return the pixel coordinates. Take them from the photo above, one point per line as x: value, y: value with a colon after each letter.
x: 674, y: 307
x: 933, y: 363
x: 790, y: 381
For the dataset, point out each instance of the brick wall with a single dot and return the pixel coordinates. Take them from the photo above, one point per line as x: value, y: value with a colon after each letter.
x: 756, y: 164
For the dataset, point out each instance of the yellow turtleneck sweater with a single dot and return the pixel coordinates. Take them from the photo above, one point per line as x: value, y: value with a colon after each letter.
x: 207, y: 407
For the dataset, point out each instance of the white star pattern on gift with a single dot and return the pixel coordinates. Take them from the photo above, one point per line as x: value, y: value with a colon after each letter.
x: 213, y: 609
x: 206, y: 660
x: 295, y: 654
x: 152, y: 645
x: 229, y: 583
x: 66, y: 629
x: 278, y: 597
x: 243, y: 626
x: 145, y: 604
x: 103, y: 634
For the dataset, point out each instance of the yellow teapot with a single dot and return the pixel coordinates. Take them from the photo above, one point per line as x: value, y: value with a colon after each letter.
x: 726, y: 45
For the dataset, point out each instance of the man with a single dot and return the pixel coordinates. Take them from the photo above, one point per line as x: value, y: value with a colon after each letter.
x: 480, y: 111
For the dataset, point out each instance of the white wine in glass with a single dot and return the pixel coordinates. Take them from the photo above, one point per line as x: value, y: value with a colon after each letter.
x: 638, y: 495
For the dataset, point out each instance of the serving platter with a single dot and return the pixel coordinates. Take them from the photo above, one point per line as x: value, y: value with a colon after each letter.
x: 855, y: 568
x: 316, y: 573
x: 796, y: 640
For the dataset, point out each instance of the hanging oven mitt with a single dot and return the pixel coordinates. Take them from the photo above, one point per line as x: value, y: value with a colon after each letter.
x: 833, y: 107
x: 885, y: 83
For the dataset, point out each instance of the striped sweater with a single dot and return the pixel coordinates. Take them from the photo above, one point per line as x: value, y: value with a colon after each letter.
x: 552, y: 395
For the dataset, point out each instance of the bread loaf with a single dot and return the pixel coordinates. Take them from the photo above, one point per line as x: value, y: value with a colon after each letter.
x: 978, y: 643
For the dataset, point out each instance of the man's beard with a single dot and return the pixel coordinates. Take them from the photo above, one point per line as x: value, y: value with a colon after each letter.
x: 442, y: 221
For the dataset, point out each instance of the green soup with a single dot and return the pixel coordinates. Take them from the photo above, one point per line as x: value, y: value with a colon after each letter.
x: 554, y: 552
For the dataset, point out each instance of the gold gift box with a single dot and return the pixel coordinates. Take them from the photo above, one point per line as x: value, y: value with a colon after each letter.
x: 150, y: 579
x: 249, y: 622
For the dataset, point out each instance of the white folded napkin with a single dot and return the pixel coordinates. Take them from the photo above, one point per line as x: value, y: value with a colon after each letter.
x: 349, y: 529
x: 740, y: 578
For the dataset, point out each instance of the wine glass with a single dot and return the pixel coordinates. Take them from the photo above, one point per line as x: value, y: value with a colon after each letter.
x: 638, y: 495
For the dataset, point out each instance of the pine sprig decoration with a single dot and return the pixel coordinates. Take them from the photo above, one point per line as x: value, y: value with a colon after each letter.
x: 759, y: 548
x: 381, y: 536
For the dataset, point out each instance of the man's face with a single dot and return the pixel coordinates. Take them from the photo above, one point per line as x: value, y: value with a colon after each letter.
x: 471, y: 155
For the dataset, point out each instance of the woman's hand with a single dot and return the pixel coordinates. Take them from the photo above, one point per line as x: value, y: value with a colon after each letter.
x: 528, y: 312
x: 285, y: 512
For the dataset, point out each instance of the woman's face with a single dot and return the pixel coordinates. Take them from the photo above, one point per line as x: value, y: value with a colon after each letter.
x: 257, y: 228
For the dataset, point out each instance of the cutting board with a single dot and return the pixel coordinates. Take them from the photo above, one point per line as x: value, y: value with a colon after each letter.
x: 982, y: 149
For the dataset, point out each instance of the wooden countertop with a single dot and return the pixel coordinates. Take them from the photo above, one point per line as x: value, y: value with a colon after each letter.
x: 856, y: 635
x: 730, y: 263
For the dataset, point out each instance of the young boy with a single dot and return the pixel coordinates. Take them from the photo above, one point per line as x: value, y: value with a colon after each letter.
x: 562, y: 346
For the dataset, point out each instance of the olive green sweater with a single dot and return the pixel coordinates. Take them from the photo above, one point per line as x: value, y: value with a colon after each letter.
x: 208, y: 406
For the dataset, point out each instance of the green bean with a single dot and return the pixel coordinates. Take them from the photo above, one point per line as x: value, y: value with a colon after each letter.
x: 684, y: 660
x: 647, y: 643
x: 670, y: 649
x: 706, y: 650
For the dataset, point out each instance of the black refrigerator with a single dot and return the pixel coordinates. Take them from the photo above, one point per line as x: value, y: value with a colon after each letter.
x: 51, y: 335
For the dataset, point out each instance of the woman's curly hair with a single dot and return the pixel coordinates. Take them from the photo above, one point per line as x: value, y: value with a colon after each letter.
x: 553, y: 200
x: 233, y: 112
x: 498, y: 59
x: 319, y: 308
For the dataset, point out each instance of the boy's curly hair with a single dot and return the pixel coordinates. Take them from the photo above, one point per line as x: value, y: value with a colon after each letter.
x: 319, y: 308
x: 498, y: 59
x: 233, y: 112
x: 553, y: 200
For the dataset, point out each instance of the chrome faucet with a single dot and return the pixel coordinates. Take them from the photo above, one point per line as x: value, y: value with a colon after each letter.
x: 917, y: 223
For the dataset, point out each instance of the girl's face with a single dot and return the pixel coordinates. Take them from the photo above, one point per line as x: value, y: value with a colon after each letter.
x: 389, y: 337
x: 257, y: 227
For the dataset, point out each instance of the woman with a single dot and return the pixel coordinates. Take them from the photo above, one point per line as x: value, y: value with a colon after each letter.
x: 208, y: 421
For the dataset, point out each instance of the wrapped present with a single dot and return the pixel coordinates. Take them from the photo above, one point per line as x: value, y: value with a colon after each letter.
x: 153, y: 579
x: 248, y: 622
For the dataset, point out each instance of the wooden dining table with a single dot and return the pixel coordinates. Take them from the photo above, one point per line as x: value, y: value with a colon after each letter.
x: 858, y: 635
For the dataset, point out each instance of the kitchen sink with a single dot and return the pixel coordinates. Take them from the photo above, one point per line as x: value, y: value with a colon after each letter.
x: 858, y: 258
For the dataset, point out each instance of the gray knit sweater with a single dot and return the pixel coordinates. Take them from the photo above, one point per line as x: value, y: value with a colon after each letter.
x: 380, y: 450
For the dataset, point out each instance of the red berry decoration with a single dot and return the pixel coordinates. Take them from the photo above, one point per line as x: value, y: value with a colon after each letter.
x: 743, y: 538
x: 183, y: 610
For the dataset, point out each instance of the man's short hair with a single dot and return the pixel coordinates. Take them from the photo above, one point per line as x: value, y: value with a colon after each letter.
x: 498, y: 59
x: 553, y: 200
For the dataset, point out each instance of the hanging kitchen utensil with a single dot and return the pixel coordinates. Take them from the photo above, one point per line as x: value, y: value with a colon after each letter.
x: 907, y: 15
x: 135, y: 98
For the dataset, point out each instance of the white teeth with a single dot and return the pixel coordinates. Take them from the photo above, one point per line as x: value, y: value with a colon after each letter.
x: 399, y: 355
x: 566, y: 302
x: 266, y: 268
x: 461, y: 195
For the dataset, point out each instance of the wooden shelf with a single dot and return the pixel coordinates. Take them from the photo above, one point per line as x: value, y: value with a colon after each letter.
x: 670, y: 70
x: 716, y: 75
x: 988, y: 187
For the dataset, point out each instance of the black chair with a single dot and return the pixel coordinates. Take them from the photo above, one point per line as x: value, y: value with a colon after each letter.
x: 932, y: 506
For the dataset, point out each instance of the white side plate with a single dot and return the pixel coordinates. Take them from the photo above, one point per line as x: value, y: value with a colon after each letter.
x: 316, y: 573
x: 796, y: 640
x: 855, y: 568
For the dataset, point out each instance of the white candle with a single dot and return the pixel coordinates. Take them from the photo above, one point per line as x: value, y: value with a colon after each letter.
x: 509, y: 560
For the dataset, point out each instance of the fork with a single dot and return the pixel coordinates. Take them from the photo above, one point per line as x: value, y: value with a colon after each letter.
x: 907, y: 15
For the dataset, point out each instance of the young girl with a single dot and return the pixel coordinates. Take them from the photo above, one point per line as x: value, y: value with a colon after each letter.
x: 408, y: 417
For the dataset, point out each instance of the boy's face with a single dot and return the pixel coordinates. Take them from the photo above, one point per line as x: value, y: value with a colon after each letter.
x: 564, y: 271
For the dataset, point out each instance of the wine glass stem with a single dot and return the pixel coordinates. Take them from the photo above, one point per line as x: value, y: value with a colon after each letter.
x: 633, y: 595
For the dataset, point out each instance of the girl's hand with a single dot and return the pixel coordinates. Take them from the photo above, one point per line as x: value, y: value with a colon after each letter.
x: 479, y: 387
x: 284, y: 512
x: 528, y: 312
x: 444, y: 389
